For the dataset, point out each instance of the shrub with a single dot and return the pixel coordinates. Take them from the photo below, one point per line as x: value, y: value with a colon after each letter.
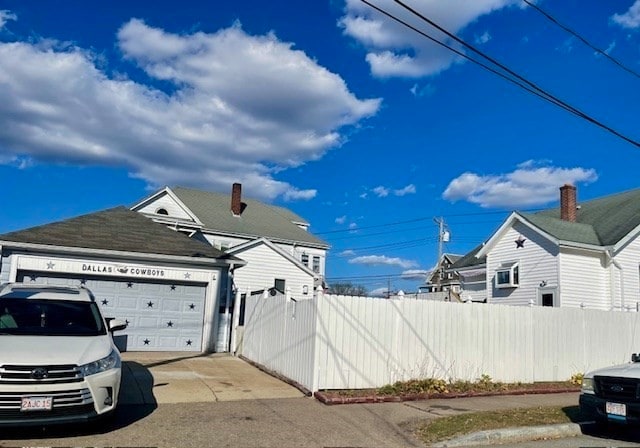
x: 576, y: 379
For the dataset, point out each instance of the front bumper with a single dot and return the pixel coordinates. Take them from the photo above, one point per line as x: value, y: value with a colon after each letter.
x: 94, y: 397
x: 593, y: 408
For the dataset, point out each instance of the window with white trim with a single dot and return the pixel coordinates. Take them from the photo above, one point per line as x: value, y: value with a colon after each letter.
x: 508, y: 276
x: 316, y: 264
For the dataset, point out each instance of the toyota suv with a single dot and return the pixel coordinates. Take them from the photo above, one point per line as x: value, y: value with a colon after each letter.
x: 58, y: 362
x: 612, y: 394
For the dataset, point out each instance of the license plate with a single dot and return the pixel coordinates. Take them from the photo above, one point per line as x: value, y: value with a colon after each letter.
x: 36, y: 404
x: 616, y: 409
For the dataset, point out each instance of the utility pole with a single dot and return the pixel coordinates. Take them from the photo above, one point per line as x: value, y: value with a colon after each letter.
x: 443, y: 237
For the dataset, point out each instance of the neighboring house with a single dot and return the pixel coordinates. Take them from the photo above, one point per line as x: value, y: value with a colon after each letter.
x: 472, y: 273
x: 279, y: 250
x: 441, y: 277
x: 171, y: 290
x: 580, y: 255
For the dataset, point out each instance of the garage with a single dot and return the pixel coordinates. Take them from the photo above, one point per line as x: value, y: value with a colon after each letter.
x: 173, y: 291
x: 160, y: 316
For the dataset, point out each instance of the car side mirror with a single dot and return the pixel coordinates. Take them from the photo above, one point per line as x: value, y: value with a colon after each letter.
x: 117, y: 325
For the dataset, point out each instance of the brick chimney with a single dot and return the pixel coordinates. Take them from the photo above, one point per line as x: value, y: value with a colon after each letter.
x: 236, y: 199
x: 568, y: 205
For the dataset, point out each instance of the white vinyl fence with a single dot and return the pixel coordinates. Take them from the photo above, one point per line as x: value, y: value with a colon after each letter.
x: 339, y: 342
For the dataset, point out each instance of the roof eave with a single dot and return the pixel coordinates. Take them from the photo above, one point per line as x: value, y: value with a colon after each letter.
x: 209, y: 261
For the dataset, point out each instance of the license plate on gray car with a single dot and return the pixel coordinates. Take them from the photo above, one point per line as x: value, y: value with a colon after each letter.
x: 36, y: 404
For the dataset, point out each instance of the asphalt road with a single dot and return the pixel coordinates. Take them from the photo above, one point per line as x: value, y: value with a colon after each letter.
x: 618, y: 436
x: 300, y: 422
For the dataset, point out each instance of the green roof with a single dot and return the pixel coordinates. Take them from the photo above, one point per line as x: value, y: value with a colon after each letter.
x: 116, y: 229
x: 257, y: 219
x: 601, y: 222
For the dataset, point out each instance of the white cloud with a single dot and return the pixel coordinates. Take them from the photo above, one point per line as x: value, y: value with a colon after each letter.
x: 241, y: 108
x: 347, y: 253
x: 394, y: 50
x: 415, y: 274
x: 380, y: 260
x: 381, y: 192
x: 341, y: 219
x: 424, y: 91
x: 353, y: 226
x: 610, y: 48
x: 530, y: 184
x: 5, y: 16
x: 379, y: 292
x: 483, y: 38
x: 629, y: 19
x: 409, y: 189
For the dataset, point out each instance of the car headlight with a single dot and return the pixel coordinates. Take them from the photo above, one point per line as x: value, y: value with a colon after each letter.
x: 587, y: 385
x: 108, y: 362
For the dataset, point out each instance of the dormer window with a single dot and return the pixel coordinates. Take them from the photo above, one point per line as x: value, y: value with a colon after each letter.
x: 162, y: 211
x: 508, y: 275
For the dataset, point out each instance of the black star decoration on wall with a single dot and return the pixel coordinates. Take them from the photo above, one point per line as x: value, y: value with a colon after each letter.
x: 173, y: 287
x: 169, y: 324
x: 129, y: 285
x: 520, y: 242
x: 105, y: 301
x: 149, y: 304
x: 146, y: 341
x: 83, y: 281
x: 192, y: 307
x: 33, y: 278
x: 189, y: 342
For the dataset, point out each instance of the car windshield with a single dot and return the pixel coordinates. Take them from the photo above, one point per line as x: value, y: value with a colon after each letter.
x: 41, y: 317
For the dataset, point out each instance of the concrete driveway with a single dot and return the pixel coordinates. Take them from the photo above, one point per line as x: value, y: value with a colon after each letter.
x: 175, y: 377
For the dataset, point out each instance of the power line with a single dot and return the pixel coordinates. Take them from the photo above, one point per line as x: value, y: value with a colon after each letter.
x: 534, y: 86
x: 409, y: 221
x: 519, y: 80
x: 581, y: 38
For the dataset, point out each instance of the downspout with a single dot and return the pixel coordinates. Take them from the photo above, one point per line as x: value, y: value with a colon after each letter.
x: 619, y: 268
x: 227, y: 331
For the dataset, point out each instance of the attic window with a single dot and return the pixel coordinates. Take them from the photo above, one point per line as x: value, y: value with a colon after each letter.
x: 508, y: 276
x: 162, y: 211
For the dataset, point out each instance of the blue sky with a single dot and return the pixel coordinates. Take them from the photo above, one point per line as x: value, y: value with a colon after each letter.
x: 354, y: 122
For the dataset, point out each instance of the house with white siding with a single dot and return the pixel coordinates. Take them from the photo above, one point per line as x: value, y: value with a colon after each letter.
x: 280, y: 252
x: 578, y: 255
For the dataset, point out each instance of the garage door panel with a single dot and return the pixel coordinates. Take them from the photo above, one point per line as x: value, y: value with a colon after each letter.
x: 160, y: 316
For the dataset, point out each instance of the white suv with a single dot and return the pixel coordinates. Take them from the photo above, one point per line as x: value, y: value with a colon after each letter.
x: 58, y: 362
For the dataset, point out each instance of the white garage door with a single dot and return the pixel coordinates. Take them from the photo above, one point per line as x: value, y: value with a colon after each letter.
x: 161, y: 316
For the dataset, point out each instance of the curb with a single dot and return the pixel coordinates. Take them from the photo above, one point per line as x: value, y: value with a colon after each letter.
x: 329, y: 400
x: 520, y: 434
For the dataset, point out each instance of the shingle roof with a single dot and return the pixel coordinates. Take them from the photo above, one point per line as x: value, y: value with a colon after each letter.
x: 469, y: 259
x: 603, y: 221
x: 257, y: 219
x: 116, y: 229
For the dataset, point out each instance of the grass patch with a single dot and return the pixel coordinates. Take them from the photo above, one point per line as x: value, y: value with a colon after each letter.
x: 449, y: 427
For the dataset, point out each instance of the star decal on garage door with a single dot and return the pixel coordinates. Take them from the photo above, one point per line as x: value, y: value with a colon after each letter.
x: 149, y: 304
x: 189, y: 341
x: 170, y: 324
x: 105, y: 302
x: 192, y: 306
x: 146, y: 341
